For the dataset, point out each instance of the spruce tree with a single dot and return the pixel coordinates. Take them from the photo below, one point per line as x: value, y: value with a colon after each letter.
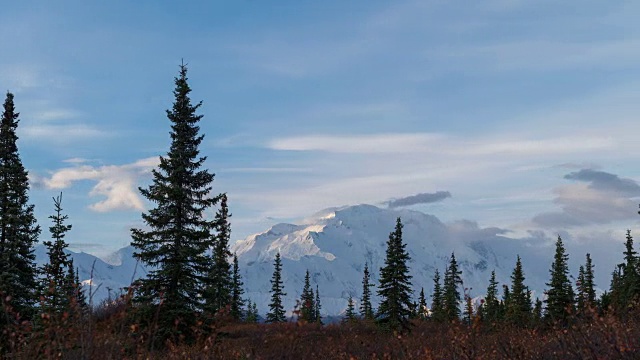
x: 77, y: 292
x: 422, y: 305
x: 490, y: 308
x: 582, y: 294
x: 518, y: 308
x: 236, y: 290
x: 505, y: 300
x: 451, y: 294
x: 437, y: 304
x: 18, y: 229
x: 366, y: 310
x: 276, y: 310
x: 468, y: 308
x: 220, y: 282
x: 395, y: 283
x: 560, y: 298
x: 251, y: 315
x: 350, y: 314
x: 307, y: 301
x: 57, y: 282
x: 317, y: 316
x: 630, y: 279
x: 537, y: 311
x: 175, y: 242
x: 589, y: 283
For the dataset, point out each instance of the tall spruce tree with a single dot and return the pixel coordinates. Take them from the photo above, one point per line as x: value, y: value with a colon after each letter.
x: 560, y: 297
x: 18, y: 229
x: 236, y: 290
x: 395, y: 283
x: 57, y: 280
x: 220, y: 278
x: 276, y: 309
x: 518, y: 308
x: 318, y: 306
x: 581, y: 294
x: 451, y: 293
x: 174, y: 244
x: 491, y: 306
x: 589, y: 282
x: 307, y: 301
x: 366, y: 309
x: 437, y: 304
x: 630, y: 279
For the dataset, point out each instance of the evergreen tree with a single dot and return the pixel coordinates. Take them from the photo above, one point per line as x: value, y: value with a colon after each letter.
x: 276, y: 310
x: 57, y: 283
x: 505, y: 300
x: 252, y: 312
x: 518, y: 308
x: 589, y: 284
x: 307, y: 301
x: 468, y: 308
x: 422, y: 305
x: 560, y: 298
x: 630, y: 279
x: 366, y: 310
x: 220, y: 279
x: 395, y: 285
x: 174, y: 245
x: 350, y: 315
x: 581, y: 295
x: 317, y: 316
x: 437, y: 304
x: 451, y: 295
x: 491, y: 306
x: 77, y: 292
x: 537, y: 311
x: 18, y: 229
x: 236, y: 291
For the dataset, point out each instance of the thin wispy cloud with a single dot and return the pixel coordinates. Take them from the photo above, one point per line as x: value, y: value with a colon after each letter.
x: 61, y: 133
x: 441, y: 144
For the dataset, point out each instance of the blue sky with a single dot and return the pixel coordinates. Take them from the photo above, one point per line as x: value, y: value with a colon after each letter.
x: 525, y: 112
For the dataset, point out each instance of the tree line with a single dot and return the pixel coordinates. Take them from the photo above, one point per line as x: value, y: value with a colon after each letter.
x: 194, y: 280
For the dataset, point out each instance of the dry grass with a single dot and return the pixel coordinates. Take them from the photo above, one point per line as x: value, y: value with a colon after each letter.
x: 111, y: 336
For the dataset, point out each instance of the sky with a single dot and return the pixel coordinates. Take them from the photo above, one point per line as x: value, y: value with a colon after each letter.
x: 513, y: 114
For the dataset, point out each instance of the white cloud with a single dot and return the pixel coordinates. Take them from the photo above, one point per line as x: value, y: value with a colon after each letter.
x: 61, y: 133
x: 366, y: 144
x: 599, y: 198
x: 441, y: 144
x: 55, y: 114
x: 116, y: 183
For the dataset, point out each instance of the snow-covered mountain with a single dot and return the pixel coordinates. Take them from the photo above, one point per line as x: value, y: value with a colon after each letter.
x: 109, y: 276
x: 334, y: 246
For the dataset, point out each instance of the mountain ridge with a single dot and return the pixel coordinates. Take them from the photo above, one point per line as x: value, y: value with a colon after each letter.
x: 334, y: 244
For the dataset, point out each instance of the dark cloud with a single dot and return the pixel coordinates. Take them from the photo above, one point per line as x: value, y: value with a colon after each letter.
x: 601, y: 180
x: 424, y: 198
x: 606, y: 198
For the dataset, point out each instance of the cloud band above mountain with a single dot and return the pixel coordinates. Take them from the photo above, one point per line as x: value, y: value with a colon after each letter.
x: 423, y: 198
